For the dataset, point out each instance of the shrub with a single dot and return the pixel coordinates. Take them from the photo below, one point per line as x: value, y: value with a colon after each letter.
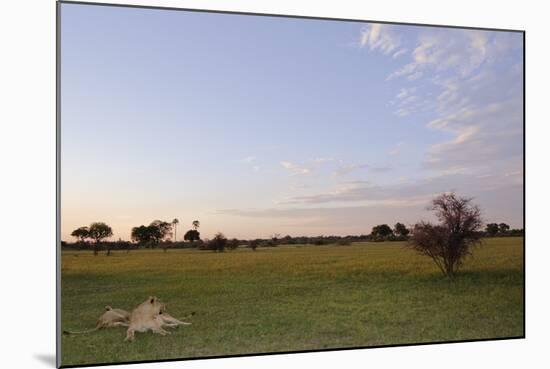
x: 450, y: 241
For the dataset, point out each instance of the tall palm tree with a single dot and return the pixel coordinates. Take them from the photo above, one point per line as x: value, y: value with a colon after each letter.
x: 175, y: 222
x: 196, y: 224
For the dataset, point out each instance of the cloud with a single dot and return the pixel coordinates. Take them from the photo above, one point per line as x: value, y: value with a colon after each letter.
x: 381, y: 37
x: 399, y: 53
x: 475, y: 80
x: 248, y: 159
x: 460, y: 50
x: 295, y: 168
x: 345, y: 169
x: 408, y: 193
x: 397, y: 149
x: 307, y: 167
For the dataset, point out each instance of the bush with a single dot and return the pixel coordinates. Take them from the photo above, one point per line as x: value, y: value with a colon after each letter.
x: 450, y: 241
x: 253, y: 244
x: 218, y: 243
x: 233, y: 244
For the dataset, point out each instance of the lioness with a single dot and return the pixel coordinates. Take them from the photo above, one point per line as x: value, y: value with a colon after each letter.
x: 110, y: 318
x: 146, y: 317
x: 168, y: 320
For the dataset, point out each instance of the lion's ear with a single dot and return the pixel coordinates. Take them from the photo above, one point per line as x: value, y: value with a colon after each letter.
x: 152, y: 299
x: 108, y: 308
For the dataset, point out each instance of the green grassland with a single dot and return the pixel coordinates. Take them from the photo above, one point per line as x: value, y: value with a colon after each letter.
x: 290, y: 298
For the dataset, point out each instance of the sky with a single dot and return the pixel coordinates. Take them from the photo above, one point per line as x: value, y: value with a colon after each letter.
x: 260, y: 125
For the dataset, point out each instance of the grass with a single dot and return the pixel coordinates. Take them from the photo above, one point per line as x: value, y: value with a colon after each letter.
x: 290, y: 298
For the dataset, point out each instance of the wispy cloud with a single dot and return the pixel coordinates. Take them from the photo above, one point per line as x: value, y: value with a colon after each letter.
x: 306, y: 167
x: 397, y: 149
x: 477, y: 101
x: 248, y: 159
x: 404, y: 193
x: 383, y: 38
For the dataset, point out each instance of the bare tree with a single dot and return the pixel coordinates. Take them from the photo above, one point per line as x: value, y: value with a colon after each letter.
x: 457, y: 233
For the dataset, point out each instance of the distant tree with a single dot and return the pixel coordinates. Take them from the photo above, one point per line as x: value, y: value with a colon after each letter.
x: 381, y: 232
x: 491, y: 229
x: 192, y: 235
x: 159, y: 230
x: 141, y: 234
x: 287, y: 240
x: 275, y: 239
x: 233, y: 244
x: 503, y: 228
x: 99, y: 231
x: 175, y: 223
x: 81, y: 234
x: 196, y: 224
x: 253, y: 244
x: 401, y: 230
x: 457, y: 233
x: 218, y: 243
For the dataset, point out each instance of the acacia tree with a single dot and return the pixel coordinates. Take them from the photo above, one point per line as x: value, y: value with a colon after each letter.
x: 81, y: 233
x: 141, y: 234
x: 381, y: 232
x: 503, y: 228
x: 491, y: 229
x: 158, y: 230
x: 99, y: 231
x: 454, y: 238
x: 401, y: 230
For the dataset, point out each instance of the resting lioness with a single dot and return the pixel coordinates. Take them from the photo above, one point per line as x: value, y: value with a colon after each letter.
x: 110, y: 318
x: 168, y: 320
x: 146, y: 317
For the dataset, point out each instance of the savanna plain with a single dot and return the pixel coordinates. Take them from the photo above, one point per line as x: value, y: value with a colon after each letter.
x: 290, y: 298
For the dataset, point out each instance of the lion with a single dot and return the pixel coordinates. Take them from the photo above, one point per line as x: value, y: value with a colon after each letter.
x: 168, y: 320
x: 110, y: 318
x: 145, y: 317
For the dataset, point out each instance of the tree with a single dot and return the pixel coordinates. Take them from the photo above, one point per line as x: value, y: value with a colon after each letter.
x: 253, y: 244
x: 192, y: 235
x: 218, y: 242
x: 81, y: 233
x: 401, y: 230
x: 381, y: 232
x: 175, y: 223
x: 99, y: 231
x: 491, y: 229
x: 196, y: 224
x: 141, y: 234
x: 450, y: 241
x: 158, y: 230
x: 233, y: 244
x: 503, y: 228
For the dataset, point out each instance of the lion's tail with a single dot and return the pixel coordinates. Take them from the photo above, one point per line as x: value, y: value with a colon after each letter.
x: 189, y: 315
x: 82, y: 332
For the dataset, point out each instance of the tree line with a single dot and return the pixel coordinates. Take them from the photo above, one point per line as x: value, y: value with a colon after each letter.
x: 447, y: 243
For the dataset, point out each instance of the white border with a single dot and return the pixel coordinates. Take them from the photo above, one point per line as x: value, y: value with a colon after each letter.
x: 27, y: 149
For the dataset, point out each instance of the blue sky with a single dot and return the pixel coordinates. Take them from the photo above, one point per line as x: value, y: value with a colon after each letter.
x: 264, y: 125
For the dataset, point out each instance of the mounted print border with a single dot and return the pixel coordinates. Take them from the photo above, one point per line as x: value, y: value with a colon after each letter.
x: 239, y: 184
